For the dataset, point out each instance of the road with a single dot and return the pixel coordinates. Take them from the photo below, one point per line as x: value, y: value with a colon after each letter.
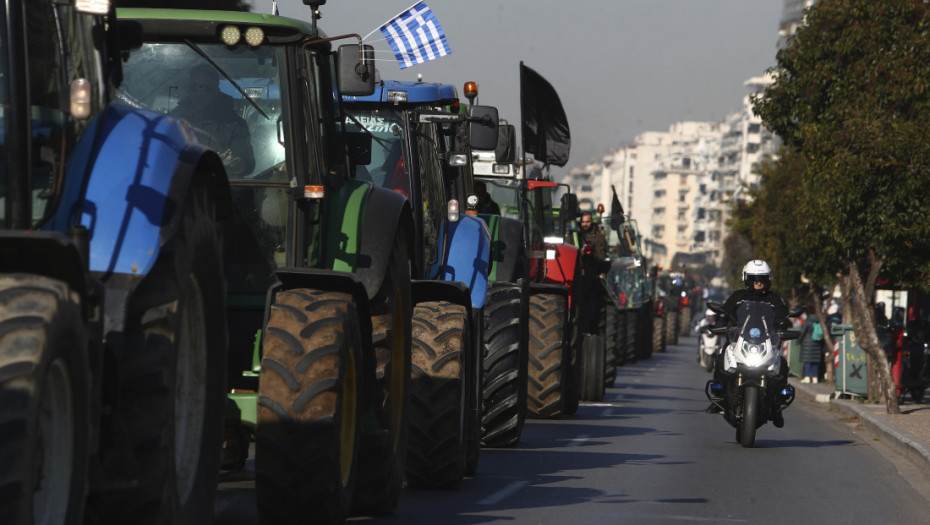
x: 650, y: 454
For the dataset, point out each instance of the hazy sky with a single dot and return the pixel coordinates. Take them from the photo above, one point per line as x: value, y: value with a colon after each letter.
x: 621, y: 67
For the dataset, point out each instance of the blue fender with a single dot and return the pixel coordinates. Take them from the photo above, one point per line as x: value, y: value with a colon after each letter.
x: 466, y: 256
x: 126, y: 181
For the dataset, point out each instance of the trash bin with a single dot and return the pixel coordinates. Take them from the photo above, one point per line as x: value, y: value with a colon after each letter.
x: 851, y: 376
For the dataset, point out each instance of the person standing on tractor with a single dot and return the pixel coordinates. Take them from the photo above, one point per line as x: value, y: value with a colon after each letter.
x: 594, y: 251
x: 757, y: 277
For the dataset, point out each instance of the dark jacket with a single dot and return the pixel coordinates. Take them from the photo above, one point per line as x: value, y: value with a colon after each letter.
x: 810, y: 350
x: 763, y: 296
x: 598, y: 242
x: 219, y: 128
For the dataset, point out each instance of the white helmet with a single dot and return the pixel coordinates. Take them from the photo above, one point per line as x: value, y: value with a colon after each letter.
x: 757, y: 270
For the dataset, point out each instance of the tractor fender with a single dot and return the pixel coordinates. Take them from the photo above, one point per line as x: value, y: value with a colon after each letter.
x: 506, y: 247
x: 552, y: 289
x: 466, y: 256
x: 127, y: 183
x: 387, y: 213
x: 562, y: 268
x: 362, y: 221
x: 47, y: 253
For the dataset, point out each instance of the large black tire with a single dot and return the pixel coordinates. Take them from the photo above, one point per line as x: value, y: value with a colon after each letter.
x: 306, y: 437
x: 548, y: 356
x: 632, y: 329
x: 504, y: 365
x: 172, y: 376
x: 572, y: 377
x: 592, y: 361
x: 620, y: 348
x: 382, y: 456
x: 474, y: 397
x: 436, y: 453
x: 671, y: 326
x: 747, y: 429
x: 611, y: 342
x: 644, y: 327
x: 658, y: 334
x: 44, y: 402
x: 684, y: 321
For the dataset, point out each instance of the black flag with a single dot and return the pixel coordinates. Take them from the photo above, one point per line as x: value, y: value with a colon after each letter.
x: 616, y: 210
x: 545, y: 128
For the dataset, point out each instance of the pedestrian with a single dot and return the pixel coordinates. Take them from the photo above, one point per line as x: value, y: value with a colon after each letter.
x: 811, y: 346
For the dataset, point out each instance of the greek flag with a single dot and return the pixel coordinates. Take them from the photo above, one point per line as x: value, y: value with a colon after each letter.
x: 415, y: 36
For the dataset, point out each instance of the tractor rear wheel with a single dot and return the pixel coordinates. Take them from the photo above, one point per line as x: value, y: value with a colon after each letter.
x: 505, y: 367
x: 382, y: 456
x: 306, y: 437
x: 547, y: 356
x: 592, y: 367
x: 671, y: 326
x: 658, y: 335
x: 611, y: 350
x: 436, y: 452
x: 172, y: 375
x: 44, y: 401
x: 684, y: 320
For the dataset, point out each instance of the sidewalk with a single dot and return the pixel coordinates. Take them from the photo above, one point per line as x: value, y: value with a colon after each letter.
x: 907, y: 433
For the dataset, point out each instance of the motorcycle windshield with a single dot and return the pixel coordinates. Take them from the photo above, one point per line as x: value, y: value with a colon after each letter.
x: 755, y: 322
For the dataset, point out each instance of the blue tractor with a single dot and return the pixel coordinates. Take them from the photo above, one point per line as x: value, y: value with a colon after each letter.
x: 112, y: 291
x: 404, y: 137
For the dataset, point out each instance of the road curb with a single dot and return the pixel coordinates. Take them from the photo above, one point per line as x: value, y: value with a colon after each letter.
x: 900, y: 441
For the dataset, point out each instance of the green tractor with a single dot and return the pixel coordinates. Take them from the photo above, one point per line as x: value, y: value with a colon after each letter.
x: 317, y: 261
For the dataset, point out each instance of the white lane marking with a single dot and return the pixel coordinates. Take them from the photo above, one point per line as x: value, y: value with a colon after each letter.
x: 509, y: 490
x: 607, y: 412
x: 578, y: 441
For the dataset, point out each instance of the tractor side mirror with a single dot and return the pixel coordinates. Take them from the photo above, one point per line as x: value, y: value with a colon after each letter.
x: 482, y: 127
x: 356, y: 71
x: 569, y: 206
x: 506, y: 138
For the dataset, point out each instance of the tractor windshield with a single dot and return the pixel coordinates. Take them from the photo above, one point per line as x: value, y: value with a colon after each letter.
x: 506, y: 193
x: 376, y: 139
x: 234, y: 104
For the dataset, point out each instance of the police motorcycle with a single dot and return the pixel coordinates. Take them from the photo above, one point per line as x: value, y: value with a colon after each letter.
x: 709, y: 344
x: 752, y: 359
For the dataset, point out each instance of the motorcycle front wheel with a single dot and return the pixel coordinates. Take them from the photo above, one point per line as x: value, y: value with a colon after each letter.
x: 746, y: 432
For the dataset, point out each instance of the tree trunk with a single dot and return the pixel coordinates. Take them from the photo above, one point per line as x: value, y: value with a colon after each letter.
x: 863, y: 321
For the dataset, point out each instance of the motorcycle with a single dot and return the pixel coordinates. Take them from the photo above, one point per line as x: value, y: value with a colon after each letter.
x: 709, y: 345
x: 752, y: 360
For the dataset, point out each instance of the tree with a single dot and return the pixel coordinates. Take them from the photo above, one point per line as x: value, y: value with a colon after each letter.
x: 852, y: 97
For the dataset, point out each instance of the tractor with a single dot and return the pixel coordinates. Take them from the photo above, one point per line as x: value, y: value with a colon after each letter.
x: 112, y: 290
x: 317, y: 261
x: 408, y: 137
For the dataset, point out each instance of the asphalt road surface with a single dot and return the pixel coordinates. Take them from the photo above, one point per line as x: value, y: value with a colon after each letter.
x: 650, y: 454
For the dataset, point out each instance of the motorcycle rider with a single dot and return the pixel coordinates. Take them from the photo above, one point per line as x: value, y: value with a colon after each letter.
x: 757, y: 277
